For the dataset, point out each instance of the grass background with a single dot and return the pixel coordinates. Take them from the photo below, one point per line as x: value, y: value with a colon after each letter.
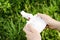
x: 12, y: 23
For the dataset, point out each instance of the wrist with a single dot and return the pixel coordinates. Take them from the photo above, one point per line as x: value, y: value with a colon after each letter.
x: 52, y: 24
x: 58, y: 25
x: 55, y: 25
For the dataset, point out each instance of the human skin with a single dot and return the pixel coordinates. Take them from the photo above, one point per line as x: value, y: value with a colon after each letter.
x: 31, y: 33
x: 52, y: 23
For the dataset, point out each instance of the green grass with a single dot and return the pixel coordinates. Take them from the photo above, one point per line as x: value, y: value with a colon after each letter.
x: 12, y: 23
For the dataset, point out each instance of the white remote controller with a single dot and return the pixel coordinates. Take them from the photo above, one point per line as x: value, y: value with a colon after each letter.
x: 37, y: 23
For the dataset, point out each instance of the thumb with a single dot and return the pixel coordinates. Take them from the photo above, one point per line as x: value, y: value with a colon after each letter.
x: 41, y: 15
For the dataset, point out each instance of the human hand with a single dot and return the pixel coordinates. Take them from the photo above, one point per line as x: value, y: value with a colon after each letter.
x: 31, y: 33
x: 50, y: 21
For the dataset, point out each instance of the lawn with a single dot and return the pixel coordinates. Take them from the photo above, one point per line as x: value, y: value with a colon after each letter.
x: 12, y: 23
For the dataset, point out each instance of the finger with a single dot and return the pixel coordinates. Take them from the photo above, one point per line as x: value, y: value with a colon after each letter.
x: 27, y: 32
x: 32, y: 29
x: 27, y: 37
x: 38, y: 37
x: 25, y: 29
x: 44, y: 17
x: 40, y: 15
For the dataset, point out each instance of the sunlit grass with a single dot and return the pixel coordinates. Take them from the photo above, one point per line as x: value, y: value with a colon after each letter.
x: 12, y: 23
